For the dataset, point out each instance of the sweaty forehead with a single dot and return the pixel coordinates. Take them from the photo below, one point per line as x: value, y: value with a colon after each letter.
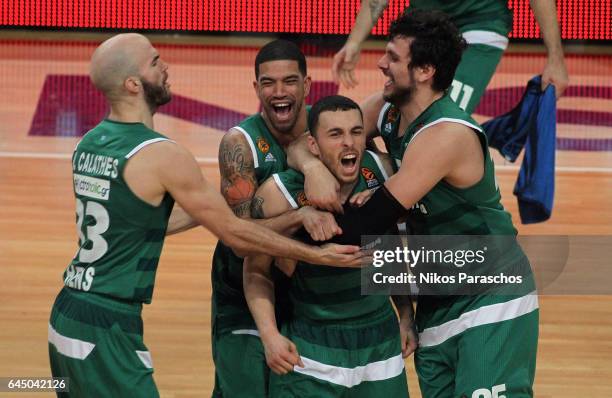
x: 278, y: 69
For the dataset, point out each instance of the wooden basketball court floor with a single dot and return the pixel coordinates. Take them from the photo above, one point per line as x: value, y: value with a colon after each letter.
x: 37, y: 232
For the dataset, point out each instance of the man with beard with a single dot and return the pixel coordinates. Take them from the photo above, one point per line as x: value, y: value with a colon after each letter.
x: 338, y: 342
x: 476, y: 345
x: 126, y: 179
x: 250, y: 153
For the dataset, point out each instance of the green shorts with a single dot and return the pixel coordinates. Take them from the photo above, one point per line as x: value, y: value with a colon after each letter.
x: 354, y: 359
x: 240, y: 362
x: 97, y: 343
x: 473, y: 74
x: 482, y: 347
x: 240, y: 365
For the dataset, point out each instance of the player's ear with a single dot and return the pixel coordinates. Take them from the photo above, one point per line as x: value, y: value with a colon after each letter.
x: 313, y: 147
x: 256, y: 87
x: 424, y: 73
x: 132, y: 84
x: 307, y: 83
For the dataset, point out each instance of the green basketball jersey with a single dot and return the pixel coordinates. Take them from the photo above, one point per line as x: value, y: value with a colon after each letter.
x: 488, y: 15
x: 322, y: 293
x: 447, y: 210
x: 229, y: 304
x: 120, y: 235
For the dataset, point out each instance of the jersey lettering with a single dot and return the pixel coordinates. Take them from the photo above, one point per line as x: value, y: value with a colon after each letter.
x: 494, y: 393
x: 94, y: 233
x: 466, y: 96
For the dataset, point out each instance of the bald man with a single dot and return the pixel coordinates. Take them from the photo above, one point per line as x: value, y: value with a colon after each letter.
x: 126, y: 180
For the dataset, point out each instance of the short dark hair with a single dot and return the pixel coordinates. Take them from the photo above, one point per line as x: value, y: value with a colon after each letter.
x: 330, y: 103
x: 437, y: 42
x: 278, y: 50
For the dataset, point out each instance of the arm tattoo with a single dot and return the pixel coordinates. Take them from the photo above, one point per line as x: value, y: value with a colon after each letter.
x: 238, y: 181
x: 242, y: 210
x: 376, y: 9
x: 257, y: 207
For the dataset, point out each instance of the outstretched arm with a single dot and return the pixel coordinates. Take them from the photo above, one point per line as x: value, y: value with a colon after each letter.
x: 555, y: 72
x: 269, y: 201
x: 179, y: 221
x: 446, y: 151
x: 238, y: 186
x: 345, y: 60
x: 179, y: 175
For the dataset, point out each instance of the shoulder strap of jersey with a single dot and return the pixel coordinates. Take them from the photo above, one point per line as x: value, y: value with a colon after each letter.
x: 251, y: 144
x: 379, y: 164
x: 146, y: 143
x: 447, y: 119
x: 283, y: 188
x: 382, y: 116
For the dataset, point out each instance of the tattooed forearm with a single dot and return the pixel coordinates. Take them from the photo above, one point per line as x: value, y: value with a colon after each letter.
x: 376, y: 9
x: 257, y: 208
x: 238, y: 183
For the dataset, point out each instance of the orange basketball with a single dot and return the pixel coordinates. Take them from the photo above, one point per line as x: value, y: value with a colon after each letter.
x: 240, y: 190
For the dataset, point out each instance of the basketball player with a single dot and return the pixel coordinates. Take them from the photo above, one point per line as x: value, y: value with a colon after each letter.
x: 484, y: 24
x: 469, y: 346
x: 250, y: 153
x: 126, y: 179
x: 338, y: 343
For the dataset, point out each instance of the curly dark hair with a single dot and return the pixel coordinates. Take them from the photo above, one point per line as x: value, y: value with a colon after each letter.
x: 437, y: 42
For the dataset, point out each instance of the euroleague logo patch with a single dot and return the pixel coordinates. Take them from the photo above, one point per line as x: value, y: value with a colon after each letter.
x: 302, y: 199
x: 392, y: 115
x: 263, y: 145
x: 370, y: 177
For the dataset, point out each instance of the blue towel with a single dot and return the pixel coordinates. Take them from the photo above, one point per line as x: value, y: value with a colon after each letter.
x: 532, y: 125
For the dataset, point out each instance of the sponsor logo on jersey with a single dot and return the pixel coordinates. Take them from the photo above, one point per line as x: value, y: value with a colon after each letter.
x: 302, y: 199
x: 91, y: 187
x: 392, y: 115
x: 370, y: 177
x: 270, y: 158
x: 263, y: 145
x: 388, y: 127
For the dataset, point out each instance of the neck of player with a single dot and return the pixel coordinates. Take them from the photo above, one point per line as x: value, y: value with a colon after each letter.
x: 131, y: 112
x: 421, y: 99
